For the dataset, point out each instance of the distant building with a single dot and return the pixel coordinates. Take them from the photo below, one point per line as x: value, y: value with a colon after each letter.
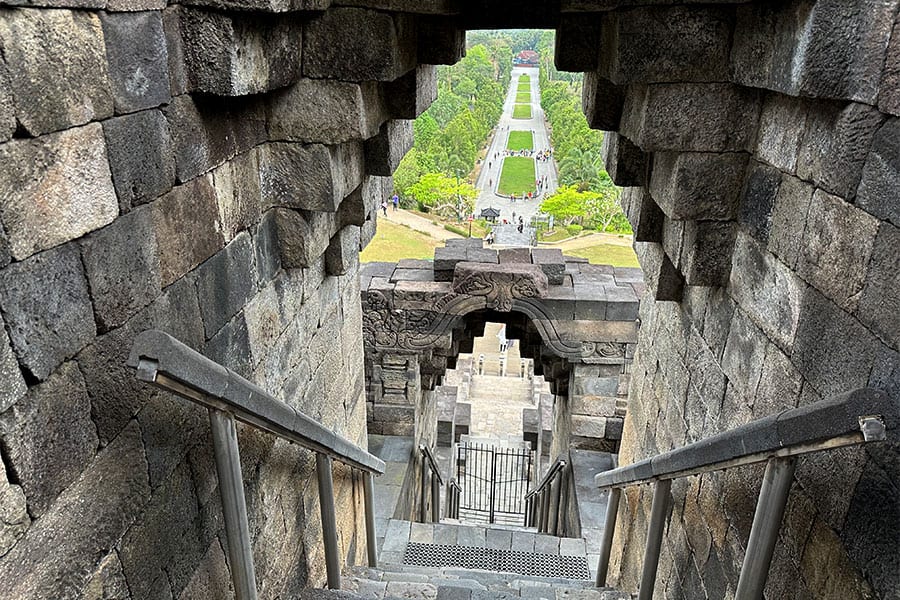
x: 527, y: 58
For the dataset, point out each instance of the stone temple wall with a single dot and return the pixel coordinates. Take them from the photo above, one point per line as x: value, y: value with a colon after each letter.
x: 212, y: 170
x: 760, y: 147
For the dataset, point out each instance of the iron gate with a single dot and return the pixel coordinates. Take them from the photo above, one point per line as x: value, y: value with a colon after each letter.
x: 494, y: 480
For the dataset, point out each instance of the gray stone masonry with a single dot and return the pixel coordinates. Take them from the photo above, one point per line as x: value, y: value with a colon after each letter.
x: 211, y: 169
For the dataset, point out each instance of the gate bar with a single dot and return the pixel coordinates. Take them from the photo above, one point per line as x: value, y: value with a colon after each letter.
x: 661, y: 500
x: 773, y: 498
x: 234, y: 504
x: 369, y: 495
x: 609, y: 528
x: 329, y: 522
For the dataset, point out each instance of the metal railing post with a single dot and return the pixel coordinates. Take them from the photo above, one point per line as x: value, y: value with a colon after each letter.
x: 423, y: 493
x: 329, y: 522
x: 545, y: 510
x: 773, y: 498
x: 661, y: 500
x: 435, y: 500
x: 561, y: 528
x: 234, y: 505
x: 369, y: 496
x: 555, y: 489
x: 609, y: 529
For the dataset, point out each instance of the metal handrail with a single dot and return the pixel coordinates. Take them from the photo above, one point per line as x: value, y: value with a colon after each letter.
x: 166, y: 363
x: 453, y: 492
x: 857, y: 417
x: 547, y: 501
x: 429, y: 455
x: 430, y: 471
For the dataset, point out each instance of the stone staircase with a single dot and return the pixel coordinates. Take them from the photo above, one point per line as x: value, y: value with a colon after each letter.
x: 448, y: 561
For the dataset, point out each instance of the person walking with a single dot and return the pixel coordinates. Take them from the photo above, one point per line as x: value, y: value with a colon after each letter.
x: 384, y: 207
x: 396, y: 201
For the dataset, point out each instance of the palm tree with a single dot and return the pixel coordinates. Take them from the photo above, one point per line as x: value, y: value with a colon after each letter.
x: 580, y: 168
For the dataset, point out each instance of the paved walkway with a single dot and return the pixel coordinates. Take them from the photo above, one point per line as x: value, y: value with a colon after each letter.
x: 490, y: 172
x: 419, y: 223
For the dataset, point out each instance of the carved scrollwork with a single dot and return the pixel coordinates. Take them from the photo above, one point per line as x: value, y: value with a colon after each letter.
x: 499, y: 287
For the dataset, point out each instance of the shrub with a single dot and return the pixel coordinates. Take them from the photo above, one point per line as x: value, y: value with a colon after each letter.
x: 574, y: 229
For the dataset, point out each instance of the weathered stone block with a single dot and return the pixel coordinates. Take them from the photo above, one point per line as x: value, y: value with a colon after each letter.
x: 822, y: 49
x: 789, y: 216
x: 343, y: 251
x: 602, y: 102
x: 359, y: 45
x: 86, y: 521
x: 410, y: 95
x: 225, y: 283
x: 877, y: 193
x: 140, y: 157
x: 551, y: 262
x: 698, y: 185
x: 238, y: 193
x: 303, y: 236
x: 47, y: 308
x: 236, y: 54
x: 656, y: 44
x: 122, y: 266
x: 325, y: 111
x: 48, y: 437
x: 310, y: 177
x: 844, y: 363
x: 116, y: 395
x: 440, y: 41
x: 663, y: 279
x: 712, y: 117
x: 644, y: 214
x: 577, y: 43
x: 207, y: 131
x: 7, y: 108
x: 744, y: 356
x: 673, y: 239
x: 138, y: 63
x: 760, y: 192
x: 54, y: 189
x: 781, y: 125
x: 385, y: 150
x: 14, y: 384
x: 835, y: 146
x: 60, y: 76
x: 706, y: 253
x: 836, y: 247
x: 272, y: 6
x: 879, y: 307
x: 14, y: 519
x: 178, y: 81
x: 889, y: 97
x: 395, y: 413
x: 589, y: 427
x: 625, y: 162
x: 767, y: 290
x: 187, y: 229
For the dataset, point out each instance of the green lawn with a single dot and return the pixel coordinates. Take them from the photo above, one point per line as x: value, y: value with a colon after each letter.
x: 523, y: 98
x: 520, y: 140
x: 524, y: 78
x: 393, y: 242
x: 607, y: 254
x: 517, y: 175
x: 522, y: 111
x: 558, y: 234
x: 523, y: 87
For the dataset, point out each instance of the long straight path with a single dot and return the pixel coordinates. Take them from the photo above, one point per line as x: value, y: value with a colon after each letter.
x: 489, y: 177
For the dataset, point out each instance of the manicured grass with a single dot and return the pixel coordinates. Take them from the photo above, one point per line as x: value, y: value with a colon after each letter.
x: 524, y: 78
x: 523, y: 98
x: 520, y: 140
x: 558, y: 234
x: 522, y: 111
x: 607, y: 254
x: 517, y: 175
x: 523, y: 87
x: 393, y: 242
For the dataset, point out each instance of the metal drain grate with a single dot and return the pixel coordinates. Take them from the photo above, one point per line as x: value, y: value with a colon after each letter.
x: 493, y: 559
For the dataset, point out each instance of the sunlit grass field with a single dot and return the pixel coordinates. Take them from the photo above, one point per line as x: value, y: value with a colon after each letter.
x: 607, y: 254
x: 520, y: 140
x: 523, y: 97
x: 517, y: 176
x: 522, y: 111
x: 393, y: 242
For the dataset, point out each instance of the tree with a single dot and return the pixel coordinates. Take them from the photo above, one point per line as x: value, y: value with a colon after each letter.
x: 566, y: 205
x: 581, y: 168
x: 442, y: 194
